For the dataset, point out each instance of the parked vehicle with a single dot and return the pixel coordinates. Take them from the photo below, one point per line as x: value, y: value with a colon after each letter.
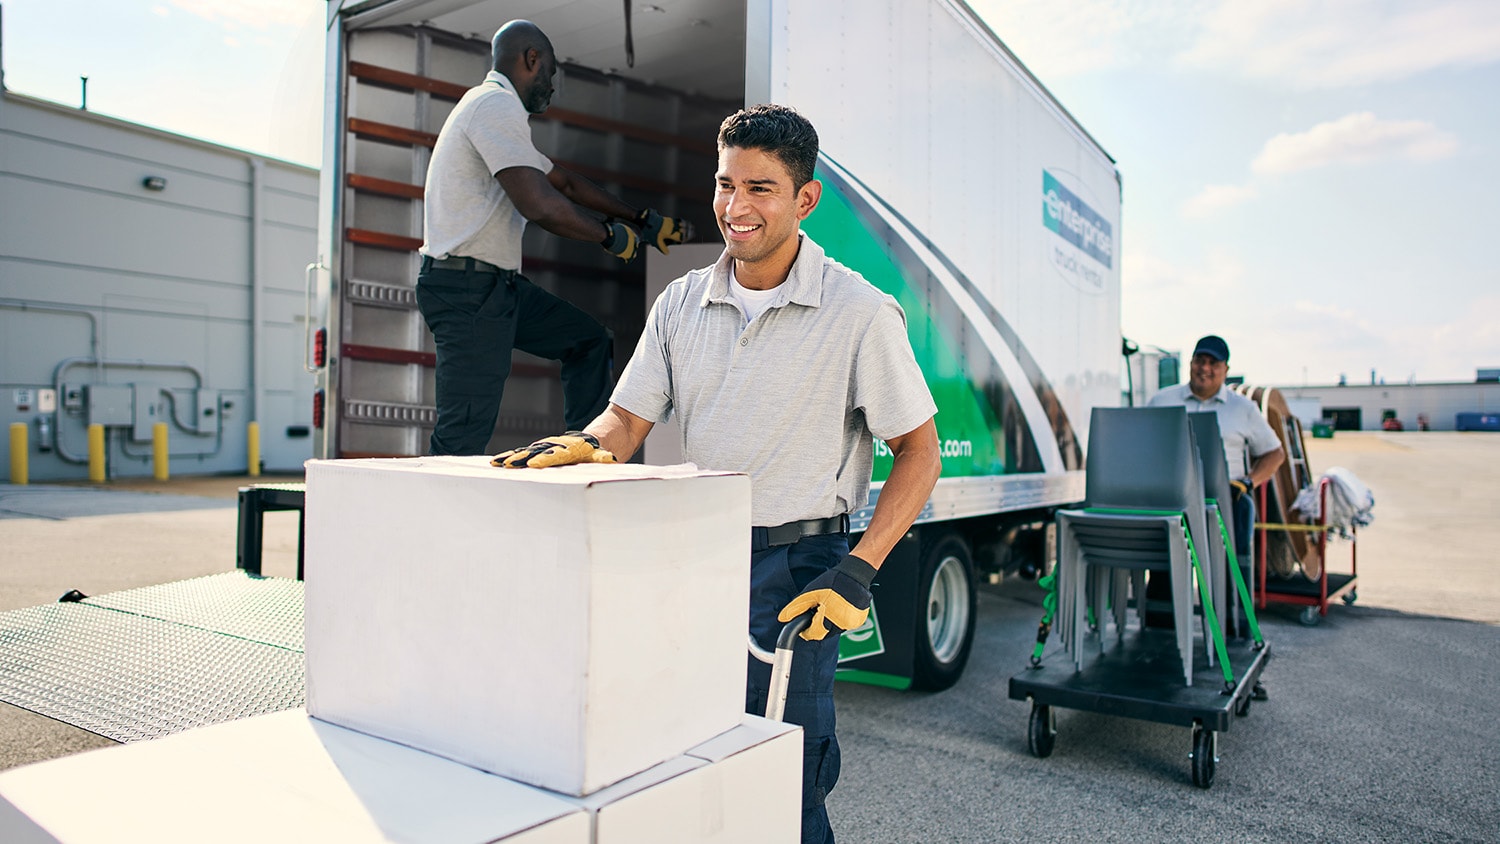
x: 952, y: 180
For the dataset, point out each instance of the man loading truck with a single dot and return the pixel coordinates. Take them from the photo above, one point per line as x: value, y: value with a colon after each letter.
x: 781, y: 363
x: 485, y: 181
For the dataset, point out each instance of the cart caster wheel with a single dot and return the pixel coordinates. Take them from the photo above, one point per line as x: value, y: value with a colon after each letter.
x: 1041, y: 733
x: 1204, y: 756
x: 1350, y: 598
x: 1242, y: 706
x: 1259, y: 693
x: 1310, y: 617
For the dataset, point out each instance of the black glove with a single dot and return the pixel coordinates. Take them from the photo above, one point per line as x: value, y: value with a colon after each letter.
x: 840, y: 595
x: 663, y: 232
x: 572, y: 447
x: 621, y: 241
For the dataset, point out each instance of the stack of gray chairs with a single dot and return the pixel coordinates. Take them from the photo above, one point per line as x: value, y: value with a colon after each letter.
x: 1145, y: 512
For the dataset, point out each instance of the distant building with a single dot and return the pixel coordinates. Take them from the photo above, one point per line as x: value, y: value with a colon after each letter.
x: 147, y: 277
x: 1366, y: 407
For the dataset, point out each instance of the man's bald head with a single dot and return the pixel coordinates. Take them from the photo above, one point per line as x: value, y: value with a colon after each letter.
x: 522, y: 52
x: 513, y: 41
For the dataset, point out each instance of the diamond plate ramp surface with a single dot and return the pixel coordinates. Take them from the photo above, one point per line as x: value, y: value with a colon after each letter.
x: 149, y: 665
x: 261, y: 609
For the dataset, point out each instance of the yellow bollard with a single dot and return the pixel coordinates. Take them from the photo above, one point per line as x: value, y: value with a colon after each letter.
x: 252, y: 445
x: 18, y: 453
x: 96, y: 453
x: 159, y: 450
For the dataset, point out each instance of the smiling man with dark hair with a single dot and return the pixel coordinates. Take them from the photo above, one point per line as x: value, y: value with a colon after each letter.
x: 785, y: 365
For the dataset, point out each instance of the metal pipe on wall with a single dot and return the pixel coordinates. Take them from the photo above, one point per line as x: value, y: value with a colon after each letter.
x: 257, y: 285
x: 68, y: 363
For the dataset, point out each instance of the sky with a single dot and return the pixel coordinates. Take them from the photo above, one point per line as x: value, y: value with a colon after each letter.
x: 1313, y: 181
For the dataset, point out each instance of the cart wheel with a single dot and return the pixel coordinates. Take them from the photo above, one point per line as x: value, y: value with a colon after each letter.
x: 1041, y: 733
x: 1259, y: 692
x: 1242, y: 706
x: 1204, y: 755
x: 1310, y: 617
x: 1351, y: 597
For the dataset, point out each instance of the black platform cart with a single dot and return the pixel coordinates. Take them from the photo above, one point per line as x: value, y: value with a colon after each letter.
x: 1140, y: 676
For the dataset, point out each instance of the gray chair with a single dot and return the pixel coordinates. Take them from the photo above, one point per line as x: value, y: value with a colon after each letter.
x: 1145, y: 512
x: 1220, y: 518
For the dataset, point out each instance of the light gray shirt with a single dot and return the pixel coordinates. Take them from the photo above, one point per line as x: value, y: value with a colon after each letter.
x: 1245, y: 432
x: 466, y: 212
x: 793, y: 398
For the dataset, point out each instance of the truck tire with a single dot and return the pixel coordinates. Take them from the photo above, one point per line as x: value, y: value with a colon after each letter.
x: 945, y: 614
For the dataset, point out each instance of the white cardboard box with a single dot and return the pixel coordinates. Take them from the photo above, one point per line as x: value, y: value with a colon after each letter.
x: 276, y: 778
x: 566, y: 627
x: 741, y: 787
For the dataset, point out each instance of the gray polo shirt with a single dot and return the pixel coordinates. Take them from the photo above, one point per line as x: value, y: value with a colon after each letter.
x: 466, y: 212
x: 1245, y: 432
x: 794, y: 398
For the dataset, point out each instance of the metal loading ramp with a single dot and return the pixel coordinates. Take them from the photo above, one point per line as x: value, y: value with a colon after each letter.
x: 146, y: 663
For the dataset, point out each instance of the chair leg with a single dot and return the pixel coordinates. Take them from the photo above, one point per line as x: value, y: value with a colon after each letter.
x: 1182, y: 601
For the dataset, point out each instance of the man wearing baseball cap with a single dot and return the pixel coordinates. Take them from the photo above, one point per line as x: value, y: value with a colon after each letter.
x: 1252, y: 450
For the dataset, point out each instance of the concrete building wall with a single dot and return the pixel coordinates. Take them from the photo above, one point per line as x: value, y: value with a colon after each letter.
x: 126, y: 306
x: 1440, y: 403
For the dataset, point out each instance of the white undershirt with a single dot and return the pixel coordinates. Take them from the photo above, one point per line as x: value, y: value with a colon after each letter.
x: 752, y: 303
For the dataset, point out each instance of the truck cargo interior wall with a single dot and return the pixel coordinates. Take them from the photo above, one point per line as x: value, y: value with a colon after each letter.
x: 649, y: 143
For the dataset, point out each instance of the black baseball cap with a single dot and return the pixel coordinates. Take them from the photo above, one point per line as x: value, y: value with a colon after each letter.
x: 1214, y: 346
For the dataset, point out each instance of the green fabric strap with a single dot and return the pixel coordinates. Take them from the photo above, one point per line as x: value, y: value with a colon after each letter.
x: 1239, y: 583
x: 1049, y: 603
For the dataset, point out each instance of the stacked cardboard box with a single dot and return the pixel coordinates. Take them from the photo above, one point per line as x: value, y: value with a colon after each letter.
x: 578, y: 634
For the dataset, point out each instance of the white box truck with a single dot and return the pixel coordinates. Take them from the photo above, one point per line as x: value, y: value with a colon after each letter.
x: 952, y: 180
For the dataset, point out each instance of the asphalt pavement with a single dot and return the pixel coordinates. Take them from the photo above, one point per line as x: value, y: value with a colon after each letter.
x: 1380, y: 724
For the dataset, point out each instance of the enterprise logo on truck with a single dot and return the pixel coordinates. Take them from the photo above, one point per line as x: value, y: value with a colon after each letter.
x: 1074, y: 221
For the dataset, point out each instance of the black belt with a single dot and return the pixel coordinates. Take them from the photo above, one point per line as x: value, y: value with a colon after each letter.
x: 457, y: 262
x: 769, y: 537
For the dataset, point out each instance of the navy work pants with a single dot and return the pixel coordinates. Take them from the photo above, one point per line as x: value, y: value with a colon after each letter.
x: 777, y: 575
x: 477, y: 317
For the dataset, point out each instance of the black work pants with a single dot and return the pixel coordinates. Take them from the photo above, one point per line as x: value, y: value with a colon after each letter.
x: 777, y: 575
x: 477, y: 317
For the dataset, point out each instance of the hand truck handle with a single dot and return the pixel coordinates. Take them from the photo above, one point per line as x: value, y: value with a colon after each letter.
x: 781, y: 663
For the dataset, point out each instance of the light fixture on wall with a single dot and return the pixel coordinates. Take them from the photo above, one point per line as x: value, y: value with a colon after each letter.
x: 154, y: 183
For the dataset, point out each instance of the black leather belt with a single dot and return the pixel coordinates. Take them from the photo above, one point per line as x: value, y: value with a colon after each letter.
x: 456, y: 262
x: 792, y: 531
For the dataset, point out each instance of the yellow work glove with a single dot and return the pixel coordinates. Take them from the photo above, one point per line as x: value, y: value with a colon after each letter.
x: 840, y: 595
x: 663, y: 232
x: 572, y: 447
x: 1238, y: 487
x: 621, y: 241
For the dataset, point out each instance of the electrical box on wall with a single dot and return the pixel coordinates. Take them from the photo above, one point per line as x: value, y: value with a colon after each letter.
x: 109, y: 405
x: 148, y: 410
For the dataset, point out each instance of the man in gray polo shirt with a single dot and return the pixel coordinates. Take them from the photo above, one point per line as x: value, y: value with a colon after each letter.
x: 781, y: 363
x: 1252, y: 451
x: 485, y: 181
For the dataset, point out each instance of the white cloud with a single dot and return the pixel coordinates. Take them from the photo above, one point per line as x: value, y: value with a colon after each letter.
x: 1340, y: 43
x: 1354, y: 139
x: 258, y: 14
x: 1058, y: 40
x: 1169, y: 305
x: 1325, y: 341
x: 1214, y: 198
x: 161, y: 11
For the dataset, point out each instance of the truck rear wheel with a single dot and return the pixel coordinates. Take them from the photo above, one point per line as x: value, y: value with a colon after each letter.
x: 945, y: 624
